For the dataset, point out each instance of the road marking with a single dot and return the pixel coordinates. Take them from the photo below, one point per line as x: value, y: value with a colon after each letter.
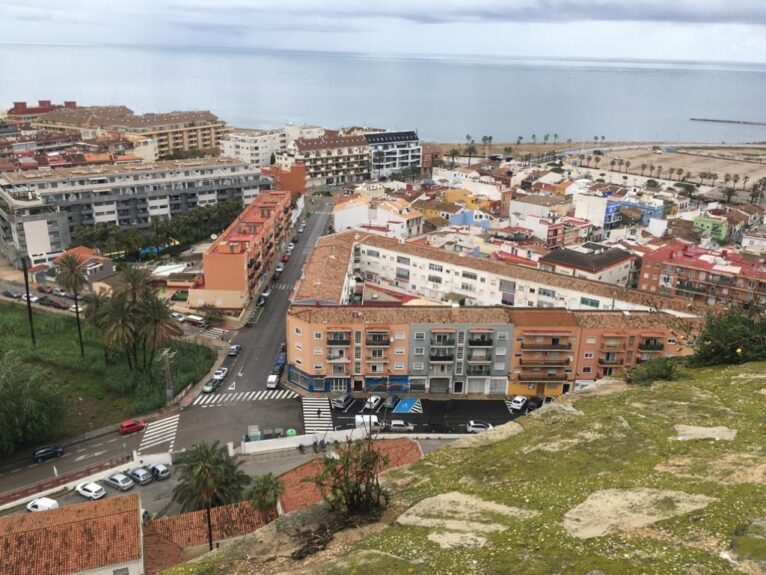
x: 159, y: 432
x: 94, y: 454
x: 112, y: 440
x: 233, y: 386
x: 221, y: 398
x: 317, y: 415
x: 99, y: 444
x: 241, y: 372
x: 28, y: 466
x: 80, y: 450
x: 15, y: 470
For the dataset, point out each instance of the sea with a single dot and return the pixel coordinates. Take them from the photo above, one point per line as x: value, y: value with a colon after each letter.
x: 443, y: 98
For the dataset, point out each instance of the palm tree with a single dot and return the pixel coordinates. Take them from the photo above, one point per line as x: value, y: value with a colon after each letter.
x: 679, y: 173
x: 546, y: 137
x: 735, y: 179
x: 555, y: 138
x: 603, y: 138
x: 157, y: 327
x: 597, y: 159
x: 264, y: 494
x: 534, y: 138
x: 94, y: 312
x: 453, y: 153
x: 470, y: 149
x: 687, y: 176
x: 70, y: 275
x: 208, y: 477
x: 518, y: 140
x: 377, y: 158
x: 728, y: 193
x: 745, y: 180
x: 643, y: 168
x: 489, y: 142
x: 627, y: 165
x: 508, y: 151
x: 468, y: 139
x: 484, y: 143
x: 118, y: 328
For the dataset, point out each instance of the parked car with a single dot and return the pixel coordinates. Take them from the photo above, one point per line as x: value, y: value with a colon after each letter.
x: 90, y: 490
x: 283, y: 347
x: 59, y: 304
x: 131, y: 426
x: 211, y: 385
x: 369, y: 422
x: 280, y: 268
x: 373, y: 402
x: 476, y: 426
x: 278, y: 369
x: 119, y: 481
x: 290, y: 246
x: 31, y: 297
x: 534, y: 403
x: 140, y: 475
x: 518, y: 403
x: 11, y: 294
x: 179, y: 317
x: 160, y: 471
x: 42, y: 504
x: 400, y: 426
x: 60, y: 292
x: 44, y: 289
x: 266, y: 294
x: 234, y: 350
x: 286, y: 256
x: 46, y: 301
x: 342, y: 402
x: 76, y: 308
x: 197, y: 321
x: 272, y: 382
x: 261, y: 301
x: 48, y: 452
x: 221, y: 373
x: 390, y: 402
x: 301, y: 229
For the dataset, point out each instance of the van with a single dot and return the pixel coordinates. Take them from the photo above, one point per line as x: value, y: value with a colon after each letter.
x: 367, y: 421
x: 42, y: 504
x: 342, y: 402
x: 196, y: 321
x: 272, y: 382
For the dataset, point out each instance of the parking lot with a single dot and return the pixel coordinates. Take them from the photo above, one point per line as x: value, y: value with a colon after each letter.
x: 429, y: 416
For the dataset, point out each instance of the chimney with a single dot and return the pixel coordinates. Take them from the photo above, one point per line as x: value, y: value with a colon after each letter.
x: 70, y: 104
x: 44, y: 103
x: 20, y: 106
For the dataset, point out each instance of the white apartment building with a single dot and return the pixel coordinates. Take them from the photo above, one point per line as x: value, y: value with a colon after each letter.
x: 256, y: 147
x: 471, y: 180
x: 330, y: 159
x: 40, y: 209
x: 391, y: 152
x: 393, y: 218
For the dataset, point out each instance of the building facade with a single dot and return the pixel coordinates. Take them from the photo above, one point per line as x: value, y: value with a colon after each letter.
x: 39, y: 209
x: 257, y: 147
x: 391, y: 152
x: 330, y: 159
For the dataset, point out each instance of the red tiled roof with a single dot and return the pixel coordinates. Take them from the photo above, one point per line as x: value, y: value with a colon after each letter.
x: 72, y: 539
x: 160, y: 553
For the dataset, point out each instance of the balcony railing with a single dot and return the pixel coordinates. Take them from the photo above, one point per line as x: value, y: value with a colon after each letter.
x: 441, y: 357
x: 373, y: 341
x: 479, y: 358
x: 542, y: 377
x: 613, y: 361
x: 480, y: 342
x: 545, y: 362
x: 651, y: 346
x: 443, y: 343
x: 482, y: 371
x: 376, y: 359
x: 334, y: 358
x: 339, y: 341
x: 546, y: 345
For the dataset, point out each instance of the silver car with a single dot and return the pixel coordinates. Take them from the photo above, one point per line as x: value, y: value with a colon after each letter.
x: 140, y: 475
x: 160, y: 471
x: 119, y: 481
x: 90, y: 490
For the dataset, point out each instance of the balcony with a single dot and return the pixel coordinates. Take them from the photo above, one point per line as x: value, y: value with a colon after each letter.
x: 554, y: 361
x: 480, y: 342
x: 619, y: 346
x: 651, y: 346
x: 339, y: 341
x: 442, y: 357
x: 445, y: 342
x: 378, y: 341
x: 479, y: 358
x: 479, y: 370
x: 543, y: 346
x: 337, y: 358
x: 530, y: 377
x: 376, y: 359
x: 610, y: 361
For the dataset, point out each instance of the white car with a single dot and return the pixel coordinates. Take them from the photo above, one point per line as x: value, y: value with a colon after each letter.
x: 60, y: 292
x: 221, y: 373
x: 280, y: 267
x: 179, y: 317
x: 32, y: 298
x: 90, y: 490
x: 42, y: 504
x: 518, y: 403
x: 400, y: 426
x: 290, y: 247
x: 301, y: 229
x: 272, y: 382
x: 76, y: 308
x: 476, y: 426
x: 119, y: 481
x: 372, y: 402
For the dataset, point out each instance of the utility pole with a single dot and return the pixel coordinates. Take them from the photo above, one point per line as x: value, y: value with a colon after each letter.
x: 29, y: 303
x: 166, y: 357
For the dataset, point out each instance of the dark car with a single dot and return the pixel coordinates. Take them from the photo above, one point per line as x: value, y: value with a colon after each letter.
x: 44, y: 289
x: 261, y: 301
x: 48, y: 452
x: 59, y: 304
x: 11, y: 294
x: 46, y: 301
x: 534, y: 403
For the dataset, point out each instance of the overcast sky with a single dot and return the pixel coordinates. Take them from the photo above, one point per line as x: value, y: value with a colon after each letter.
x: 725, y: 30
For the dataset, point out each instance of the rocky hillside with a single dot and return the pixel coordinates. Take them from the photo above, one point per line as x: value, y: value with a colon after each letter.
x: 653, y: 480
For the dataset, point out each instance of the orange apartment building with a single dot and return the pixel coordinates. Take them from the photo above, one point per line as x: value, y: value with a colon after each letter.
x: 236, y: 266
x: 443, y: 351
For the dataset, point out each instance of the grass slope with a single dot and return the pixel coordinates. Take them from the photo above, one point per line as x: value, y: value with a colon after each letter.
x: 94, y: 389
x: 619, y: 441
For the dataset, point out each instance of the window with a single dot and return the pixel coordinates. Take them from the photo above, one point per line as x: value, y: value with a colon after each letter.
x: 399, y: 351
x: 399, y: 335
x: 502, y: 336
x: 417, y: 365
x: 298, y: 362
x: 377, y: 353
x: 373, y: 253
x: 435, y: 279
x: 435, y: 267
x: 297, y: 331
x: 469, y: 275
x: 500, y: 351
x: 586, y: 369
x: 546, y: 292
x: 589, y: 302
x: 672, y: 340
x: 499, y: 366
x: 317, y: 366
x: 466, y: 286
x: 402, y: 273
x: 588, y: 355
x: 299, y: 347
x: 420, y: 335
x: 399, y: 366
x: 420, y: 350
x: 317, y: 335
x: 403, y: 260
x: 591, y: 339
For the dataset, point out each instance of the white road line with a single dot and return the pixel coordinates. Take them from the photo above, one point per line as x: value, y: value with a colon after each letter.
x: 112, y: 440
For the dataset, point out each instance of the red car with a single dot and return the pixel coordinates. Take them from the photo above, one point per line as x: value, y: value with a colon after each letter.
x: 131, y: 426
x: 285, y: 257
x: 44, y: 289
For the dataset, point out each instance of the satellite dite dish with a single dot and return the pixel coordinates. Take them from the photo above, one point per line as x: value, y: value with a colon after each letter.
x: 213, y: 236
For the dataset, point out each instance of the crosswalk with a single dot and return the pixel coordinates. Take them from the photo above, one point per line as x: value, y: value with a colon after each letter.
x: 321, y: 212
x: 510, y: 409
x: 317, y: 414
x: 221, y: 398
x: 214, y: 333
x: 417, y: 408
x: 159, y: 432
x: 282, y: 286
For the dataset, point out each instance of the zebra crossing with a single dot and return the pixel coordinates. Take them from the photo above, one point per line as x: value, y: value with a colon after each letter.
x: 213, y: 332
x: 317, y: 414
x: 282, y: 286
x: 159, y: 432
x: 321, y: 212
x: 510, y: 409
x: 417, y: 408
x: 222, y: 398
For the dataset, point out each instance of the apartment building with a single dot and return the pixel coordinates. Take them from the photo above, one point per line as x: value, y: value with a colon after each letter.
x: 23, y: 112
x: 393, y: 218
x: 448, y: 351
x: 173, y: 131
x: 391, y: 152
x: 257, y: 147
x: 240, y: 260
x: 330, y: 159
x: 591, y: 261
x: 40, y: 209
x: 704, y: 276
